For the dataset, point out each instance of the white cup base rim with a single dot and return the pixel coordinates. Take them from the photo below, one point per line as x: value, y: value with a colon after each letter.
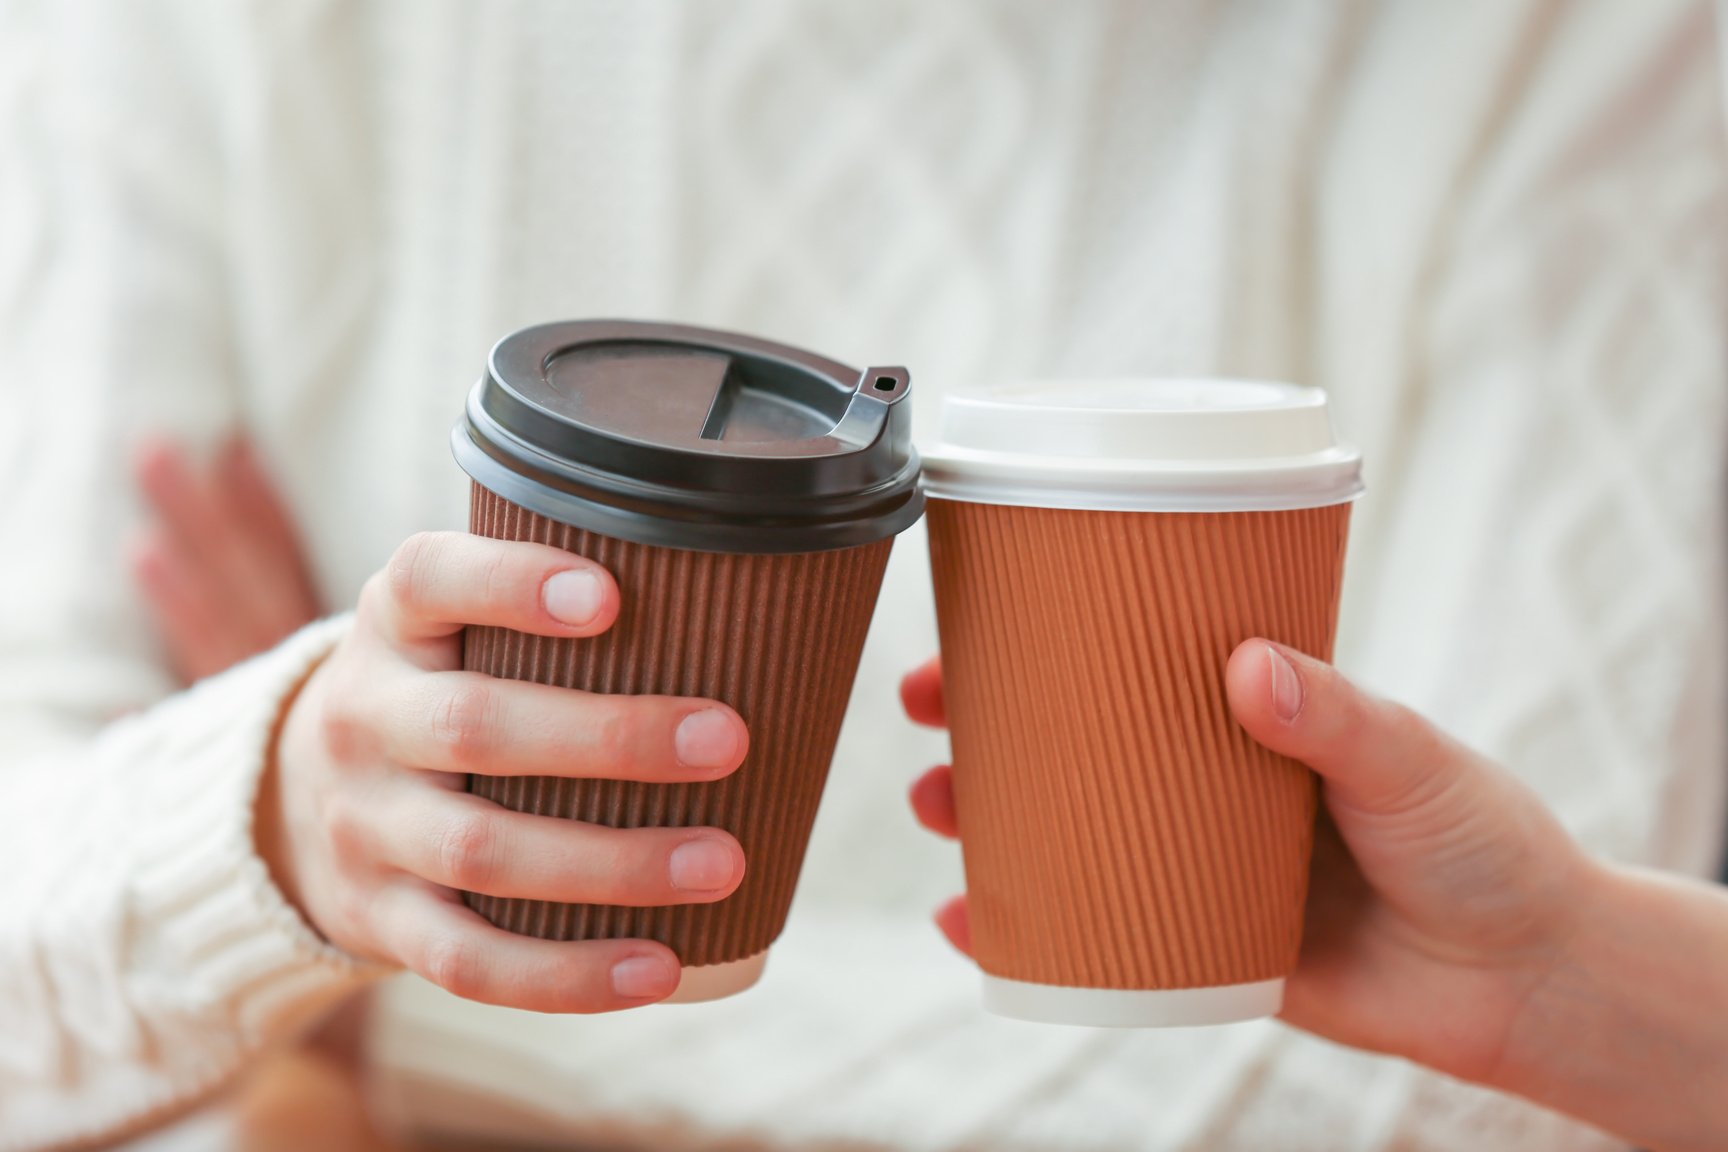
x: 1131, y: 1008
x: 718, y: 981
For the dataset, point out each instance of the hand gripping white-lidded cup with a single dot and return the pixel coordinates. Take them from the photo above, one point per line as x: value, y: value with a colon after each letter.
x: 1099, y: 548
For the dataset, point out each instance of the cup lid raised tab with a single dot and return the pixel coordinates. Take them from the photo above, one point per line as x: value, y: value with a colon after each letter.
x: 692, y: 438
x: 1143, y: 444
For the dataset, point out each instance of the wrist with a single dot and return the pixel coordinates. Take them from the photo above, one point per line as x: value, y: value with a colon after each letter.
x: 273, y: 826
x: 1536, y: 1032
x: 1626, y: 1031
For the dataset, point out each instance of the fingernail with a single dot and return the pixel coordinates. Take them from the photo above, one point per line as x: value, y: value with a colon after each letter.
x: 1286, y: 685
x: 643, y: 978
x: 707, y: 740
x: 574, y: 597
x: 702, y: 866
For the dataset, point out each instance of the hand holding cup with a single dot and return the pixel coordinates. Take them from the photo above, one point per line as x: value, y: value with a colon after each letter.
x: 749, y: 494
x: 367, y: 825
x: 1444, y: 895
x: 1097, y: 549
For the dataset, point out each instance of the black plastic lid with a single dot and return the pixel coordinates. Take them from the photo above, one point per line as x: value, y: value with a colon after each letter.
x: 691, y: 438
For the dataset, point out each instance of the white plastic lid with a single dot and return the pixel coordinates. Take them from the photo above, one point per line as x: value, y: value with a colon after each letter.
x: 1143, y: 445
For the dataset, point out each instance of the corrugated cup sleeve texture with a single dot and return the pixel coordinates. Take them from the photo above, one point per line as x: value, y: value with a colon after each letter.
x: 777, y: 637
x: 1119, y: 828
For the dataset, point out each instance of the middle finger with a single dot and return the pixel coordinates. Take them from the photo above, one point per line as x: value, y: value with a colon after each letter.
x: 471, y: 722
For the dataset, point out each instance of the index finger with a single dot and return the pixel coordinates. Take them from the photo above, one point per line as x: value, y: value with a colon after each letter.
x: 438, y: 583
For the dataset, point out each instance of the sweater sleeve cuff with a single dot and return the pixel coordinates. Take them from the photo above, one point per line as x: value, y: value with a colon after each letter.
x: 219, y: 917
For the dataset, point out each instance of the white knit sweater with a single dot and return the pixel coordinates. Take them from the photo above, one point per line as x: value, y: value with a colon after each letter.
x: 1493, y: 228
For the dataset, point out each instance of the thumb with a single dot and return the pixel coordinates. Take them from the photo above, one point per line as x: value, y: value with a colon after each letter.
x: 1375, y: 756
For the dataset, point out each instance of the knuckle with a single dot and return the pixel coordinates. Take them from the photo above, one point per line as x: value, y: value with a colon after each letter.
x: 468, y: 851
x: 406, y: 573
x: 343, y: 727
x: 1395, y: 718
x: 462, y: 722
x: 616, y: 734
x: 373, y: 595
x: 451, y: 963
x: 353, y: 907
x: 498, y: 583
x: 1411, y: 737
x: 1375, y: 728
x: 1348, y: 717
x: 1337, y: 706
x: 624, y: 867
x: 348, y: 834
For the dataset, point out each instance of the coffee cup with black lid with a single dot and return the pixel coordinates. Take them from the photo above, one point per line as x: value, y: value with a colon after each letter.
x: 745, y: 495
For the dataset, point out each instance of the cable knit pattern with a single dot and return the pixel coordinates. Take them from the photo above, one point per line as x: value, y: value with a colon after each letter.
x: 146, y: 953
x: 1493, y: 228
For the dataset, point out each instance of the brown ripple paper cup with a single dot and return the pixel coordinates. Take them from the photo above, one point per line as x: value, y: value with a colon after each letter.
x: 1132, y: 857
x: 777, y: 637
x: 745, y: 498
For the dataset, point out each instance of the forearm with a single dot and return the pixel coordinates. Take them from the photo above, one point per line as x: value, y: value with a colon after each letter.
x: 144, y: 954
x: 1630, y: 1029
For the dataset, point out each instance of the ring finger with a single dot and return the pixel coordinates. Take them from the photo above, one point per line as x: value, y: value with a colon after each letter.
x: 473, y: 845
